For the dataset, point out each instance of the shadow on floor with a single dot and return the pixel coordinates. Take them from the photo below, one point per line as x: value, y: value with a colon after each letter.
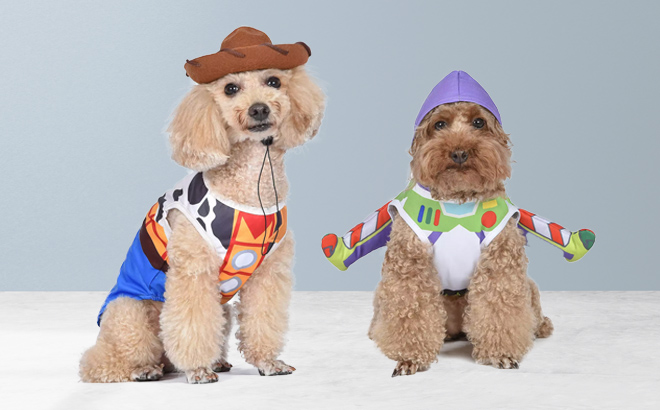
x: 457, y: 348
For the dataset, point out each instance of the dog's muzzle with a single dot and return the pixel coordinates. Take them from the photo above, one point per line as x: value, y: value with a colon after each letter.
x: 260, y: 127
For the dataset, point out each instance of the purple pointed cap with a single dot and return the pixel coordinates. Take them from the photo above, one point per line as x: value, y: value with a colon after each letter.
x: 455, y: 87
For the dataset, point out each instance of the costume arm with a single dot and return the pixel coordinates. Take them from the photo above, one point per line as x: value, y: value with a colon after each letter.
x: 374, y: 232
x: 371, y: 234
x: 574, y: 244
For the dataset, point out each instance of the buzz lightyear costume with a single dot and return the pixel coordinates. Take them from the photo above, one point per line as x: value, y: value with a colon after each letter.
x: 458, y: 233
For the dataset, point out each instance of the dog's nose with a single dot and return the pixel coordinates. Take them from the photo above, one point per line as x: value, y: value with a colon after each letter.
x: 259, y: 111
x: 459, y: 156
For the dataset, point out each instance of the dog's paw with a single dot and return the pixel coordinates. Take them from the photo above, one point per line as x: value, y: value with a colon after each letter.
x: 500, y: 362
x: 407, y: 368
x: 275, y: 368
x: 201, y: 375
x: 222, y: 366
x: 147, y: 373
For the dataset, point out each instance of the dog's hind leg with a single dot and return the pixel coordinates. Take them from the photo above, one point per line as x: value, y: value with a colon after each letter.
x: 409, y: 319
x: 192, y: 319
x: 375, y: 318
x: 544, y: 327
x: 263, y: 311
x: 128, y: 347
x: 223, y: 365
x: 499, y: 318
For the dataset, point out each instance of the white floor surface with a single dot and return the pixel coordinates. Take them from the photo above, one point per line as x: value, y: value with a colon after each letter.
x: 604, y: 355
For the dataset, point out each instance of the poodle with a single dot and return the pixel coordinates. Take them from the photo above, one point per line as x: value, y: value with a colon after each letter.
x: 223, y: 130
x: 461, y: 157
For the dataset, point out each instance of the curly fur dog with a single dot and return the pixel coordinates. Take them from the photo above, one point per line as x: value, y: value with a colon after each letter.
x: 460, y: 153
x: 217, y: 129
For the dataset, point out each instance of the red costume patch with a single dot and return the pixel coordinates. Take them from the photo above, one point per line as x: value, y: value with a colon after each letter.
x: 489, y: 219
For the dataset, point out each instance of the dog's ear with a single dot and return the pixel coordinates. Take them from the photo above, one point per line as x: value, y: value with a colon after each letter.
x: 498, y: 132
x: 307, y: 106
x: 198, y: 135
x: 417, y: 138
x: 421, y: 132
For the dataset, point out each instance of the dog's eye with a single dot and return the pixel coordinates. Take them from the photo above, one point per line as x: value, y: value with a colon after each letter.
x: 231, y: 89
x: 478, y: 123
x: 273, y: 82
x: 440, y: 125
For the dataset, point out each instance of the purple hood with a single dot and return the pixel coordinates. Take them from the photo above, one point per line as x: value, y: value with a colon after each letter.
x: 455, y: 87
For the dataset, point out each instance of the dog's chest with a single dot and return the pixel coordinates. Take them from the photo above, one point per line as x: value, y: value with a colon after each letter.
x: 241, y: 236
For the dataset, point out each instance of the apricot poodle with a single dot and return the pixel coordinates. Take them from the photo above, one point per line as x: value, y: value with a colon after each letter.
x: 221, y: 131
x: 461, y: 156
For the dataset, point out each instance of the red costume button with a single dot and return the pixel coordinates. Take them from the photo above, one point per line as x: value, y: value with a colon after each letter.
x: 489, y: 219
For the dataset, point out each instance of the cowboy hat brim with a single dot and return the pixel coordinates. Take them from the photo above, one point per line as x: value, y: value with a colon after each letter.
x: 211, y: 67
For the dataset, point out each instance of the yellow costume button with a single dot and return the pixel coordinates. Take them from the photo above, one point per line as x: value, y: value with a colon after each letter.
x: 490, y: 204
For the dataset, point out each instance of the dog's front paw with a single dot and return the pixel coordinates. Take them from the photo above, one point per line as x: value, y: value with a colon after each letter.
x: 407, y: 368
x: 201, y: 375
x: 500, y: 362
x: 147, y: 373
x: 275, y: 368
x: 222, y: 366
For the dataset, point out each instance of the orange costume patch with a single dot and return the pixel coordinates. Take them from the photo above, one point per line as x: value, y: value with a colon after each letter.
x: 252, y: 238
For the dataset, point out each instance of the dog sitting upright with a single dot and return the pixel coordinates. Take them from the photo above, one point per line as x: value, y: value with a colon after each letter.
x: 455, y: 262
x: 219, y: 230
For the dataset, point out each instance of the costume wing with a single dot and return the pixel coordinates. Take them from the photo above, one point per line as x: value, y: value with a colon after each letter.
x: 371, y: 234
x: 374, y: 232
x: 574, y: 244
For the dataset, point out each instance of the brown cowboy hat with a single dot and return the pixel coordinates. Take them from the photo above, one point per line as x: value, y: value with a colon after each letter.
x: 246, y: 49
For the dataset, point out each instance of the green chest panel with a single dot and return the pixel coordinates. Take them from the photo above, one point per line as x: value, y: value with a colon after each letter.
x: 435, y: 216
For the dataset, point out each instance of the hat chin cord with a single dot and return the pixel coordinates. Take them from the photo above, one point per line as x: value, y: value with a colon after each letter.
x: 268, y: 141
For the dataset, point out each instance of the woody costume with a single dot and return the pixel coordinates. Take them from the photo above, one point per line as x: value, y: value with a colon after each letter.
x: 242, y: 236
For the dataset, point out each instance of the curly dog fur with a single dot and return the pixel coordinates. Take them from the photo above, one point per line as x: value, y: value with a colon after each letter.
x: 501, y: 313
x: 212, y: 132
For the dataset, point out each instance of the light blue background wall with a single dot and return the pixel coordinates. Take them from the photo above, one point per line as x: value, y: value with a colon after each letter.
x: 86, y: 89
